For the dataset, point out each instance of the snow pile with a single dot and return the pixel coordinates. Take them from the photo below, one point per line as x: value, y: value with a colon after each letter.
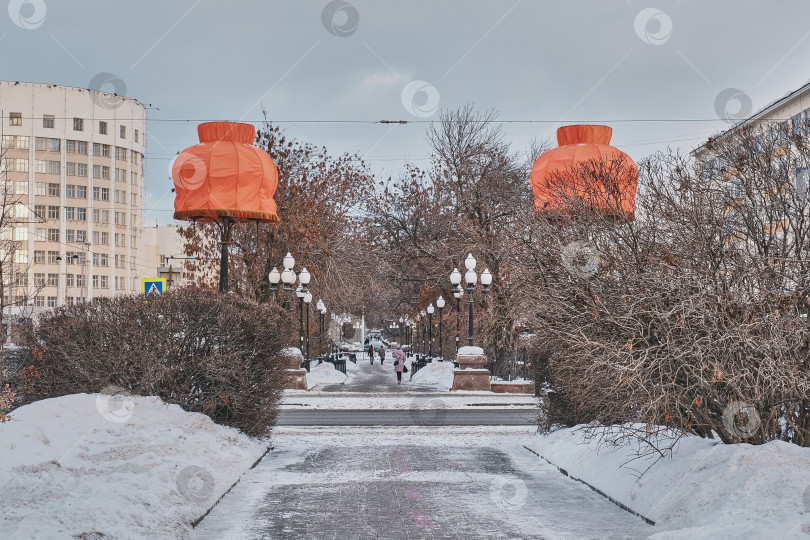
x: 469, y: 350
x: 93, y: 466
x: 324, y: 373
x: 438, y: 373
x: 706, y: 490
x: 290, y: 351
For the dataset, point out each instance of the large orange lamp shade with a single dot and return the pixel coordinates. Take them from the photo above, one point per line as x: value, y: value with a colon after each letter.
x: 225, y: 176
x: 581, y: 147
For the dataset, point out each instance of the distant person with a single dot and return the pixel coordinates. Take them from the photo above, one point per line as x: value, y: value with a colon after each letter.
x: 382, y: 355
x: 399, y: 364
x: 371, y: 353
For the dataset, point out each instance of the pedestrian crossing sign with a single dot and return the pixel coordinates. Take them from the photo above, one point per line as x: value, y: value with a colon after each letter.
x: 153, y: 286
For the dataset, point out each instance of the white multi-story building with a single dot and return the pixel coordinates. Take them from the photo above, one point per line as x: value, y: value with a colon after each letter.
x: 76, y: 161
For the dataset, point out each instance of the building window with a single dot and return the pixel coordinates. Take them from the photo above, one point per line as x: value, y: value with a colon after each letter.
x: 53, y: 235
x: 80, y: 281
x: 82, y: 169
x: 21, y: 256
x: 70, y: 146
x: 39, y: 256
x: 47, y: 120
x: 15, y: 119
x: 105, y: 172
x: 53, y: 280
x: 39, y: 188
x: 40, y: 234
x: 39, y: 301
x: 104, y: 281
x: 81, y: 214
x: 22, y: 188
x: 69, y: 280
x: 102, y: 128
x: 120, y: 153
x: 123, y: 131
x: 51, y: 301
x: 96, y: 172
x: 134, y: 177
x: 96, y: 215
x: 95, y: 258
x: 105, y: 150
x: 105, y: 194
x: 40, y: 166
x: 70, y: 169
x: 70, y: 213
x: 136, y: 135
x: 70, y: 190
x: 78, y: 124
x: 96, y: 149
x: 53, y: 190
x: 54, y: 145
x: 105, y: 216
x: 81, y: 191
x: 54, y: 167
x: 21, y: 164
x: 39, y: 210
x: 39, y: 279
x: 53, y: 212
x: 70, y: 236
x: 81, y: 236
x: 95, y: 282
x: 40, y: 143
x: 52, y: 255
x: 119, y: 282
x: 81, y: 147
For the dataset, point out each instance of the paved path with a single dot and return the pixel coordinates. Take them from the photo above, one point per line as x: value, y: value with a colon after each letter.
x: 438, y: 416
x: 376, y: 378
x: 411, y: 483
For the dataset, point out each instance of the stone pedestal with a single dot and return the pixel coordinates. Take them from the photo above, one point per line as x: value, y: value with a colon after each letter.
x: 471, y: 374
x: 296, y: 379
x: 471, y: 379
x: 296, y: 376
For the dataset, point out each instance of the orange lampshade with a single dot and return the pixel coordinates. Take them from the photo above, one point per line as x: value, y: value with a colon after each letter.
x: 225, y: 176
x: 559, y: 175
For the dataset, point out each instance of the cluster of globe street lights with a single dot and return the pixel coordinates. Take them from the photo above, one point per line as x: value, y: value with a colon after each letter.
x: 288, y: 277
x: 470, y: 277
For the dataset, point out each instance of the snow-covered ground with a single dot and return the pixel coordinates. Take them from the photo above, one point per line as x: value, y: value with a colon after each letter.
x: 707, y: 490
x: 325, y: 373
x: 435, y: 373
x: 96, y: 466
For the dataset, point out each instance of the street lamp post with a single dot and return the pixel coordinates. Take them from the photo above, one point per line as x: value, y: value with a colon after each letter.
x: 440, y: 305
x: 417, y: 328
x: 423, y: 313
x: 321, y: 307
x: 430, y: 310
x: 458, y: 294
x: 470, y: 278
x: 307, y: 299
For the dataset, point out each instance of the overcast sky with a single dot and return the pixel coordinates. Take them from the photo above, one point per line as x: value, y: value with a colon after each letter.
x: 651, y: 70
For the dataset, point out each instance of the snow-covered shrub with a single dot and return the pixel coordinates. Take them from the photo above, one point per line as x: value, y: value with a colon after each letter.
x: 207, y: 352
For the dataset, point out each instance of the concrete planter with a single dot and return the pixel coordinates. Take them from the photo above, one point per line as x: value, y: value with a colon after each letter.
x: 471, y: 379
x: 507, y: 387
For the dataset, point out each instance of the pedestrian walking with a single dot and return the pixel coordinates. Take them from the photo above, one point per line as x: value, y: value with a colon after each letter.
x: 399, y: 364
x: 371, y: 353
x: 382, y: 355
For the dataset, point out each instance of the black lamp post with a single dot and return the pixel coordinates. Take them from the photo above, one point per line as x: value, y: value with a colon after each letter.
x: 307, y: 299
x: 470, y: 279
x: 321, y: 307
x: 430, y: 310
x: 458, y: 294
x: 424, y: 334
x: 440, y: 305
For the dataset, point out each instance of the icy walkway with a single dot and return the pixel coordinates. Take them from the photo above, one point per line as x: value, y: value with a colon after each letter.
x: 367, y: 379
x: 403, y: 483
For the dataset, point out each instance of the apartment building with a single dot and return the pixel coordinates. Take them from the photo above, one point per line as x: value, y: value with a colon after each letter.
x: 74, y: 160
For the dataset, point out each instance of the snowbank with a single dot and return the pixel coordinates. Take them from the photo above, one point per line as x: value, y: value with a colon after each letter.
x: 438, y: 373
x: 705, y: 491
x: 88, y: 466
x: 324, y: 374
